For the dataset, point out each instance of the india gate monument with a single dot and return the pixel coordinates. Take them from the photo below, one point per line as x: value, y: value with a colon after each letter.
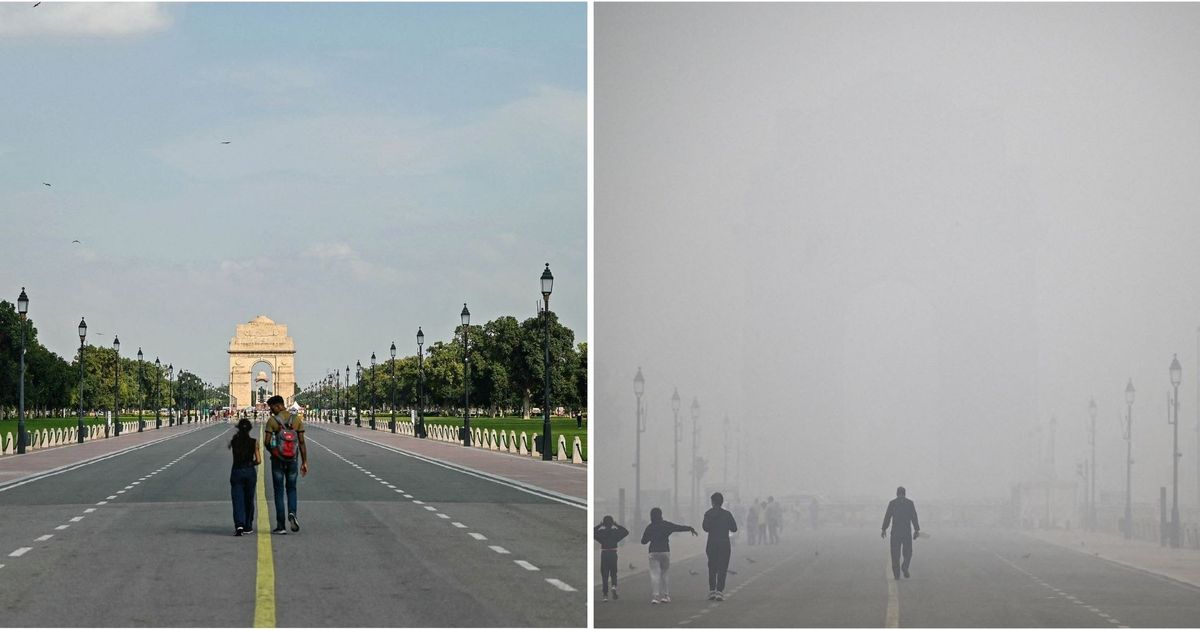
x: 261, y: 340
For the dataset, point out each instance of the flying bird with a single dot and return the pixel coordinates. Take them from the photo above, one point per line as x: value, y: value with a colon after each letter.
x: 76, y: 241
x: 46, y: 185
x: 225, y: 142
x: 37, y: 3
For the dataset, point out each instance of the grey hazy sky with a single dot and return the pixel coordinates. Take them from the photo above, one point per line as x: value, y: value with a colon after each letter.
x: 388, y: 162
x: 890, y: 240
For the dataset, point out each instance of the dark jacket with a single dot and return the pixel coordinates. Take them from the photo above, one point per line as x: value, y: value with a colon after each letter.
x: 719, y: 523
x: 902, y: 514
x: 608, y: 537
x: 658, y: 533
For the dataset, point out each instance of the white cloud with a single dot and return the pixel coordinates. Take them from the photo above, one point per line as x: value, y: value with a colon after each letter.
x: 94, y: 19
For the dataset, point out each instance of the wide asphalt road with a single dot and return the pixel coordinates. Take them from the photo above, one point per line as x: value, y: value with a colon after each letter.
x: 145, y: 538
x: 960, y: 578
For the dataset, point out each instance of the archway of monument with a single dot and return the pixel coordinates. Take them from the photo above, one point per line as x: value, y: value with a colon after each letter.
x: 261, y: 345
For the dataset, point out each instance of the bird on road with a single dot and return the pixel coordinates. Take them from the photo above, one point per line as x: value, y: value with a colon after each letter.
x: 750, y: 560
x: 693, y: 572
x: 631, y: 567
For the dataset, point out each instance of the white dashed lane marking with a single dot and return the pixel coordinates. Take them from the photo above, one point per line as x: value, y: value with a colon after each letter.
x: 101, y: 502
x: 440, y: 515
x: 458, y: 525
x: 562, y: 586
x: 76, y: 519
x: 44, y: 538
x: 20, y: 552
x: 62, y: 527
x: 526, y: 565
x: 89, y: 510
x: 477, y: 536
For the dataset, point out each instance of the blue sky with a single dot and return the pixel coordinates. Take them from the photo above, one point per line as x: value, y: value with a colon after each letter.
x: 387, y: 162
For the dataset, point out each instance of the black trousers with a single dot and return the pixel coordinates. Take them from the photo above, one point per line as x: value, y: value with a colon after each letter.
x: 901, y: 544
x: 718, y: 564
x: 608, y: 567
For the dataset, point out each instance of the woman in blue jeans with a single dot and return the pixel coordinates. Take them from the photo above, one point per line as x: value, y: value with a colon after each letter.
x: 243, y: 478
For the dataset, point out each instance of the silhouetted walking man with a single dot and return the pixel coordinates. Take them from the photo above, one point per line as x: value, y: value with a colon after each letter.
x: 902, y: 515
x: 719, y: 523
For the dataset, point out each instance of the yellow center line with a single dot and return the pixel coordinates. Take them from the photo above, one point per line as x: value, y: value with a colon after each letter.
x: 893, y: 605
x: 264, y: 591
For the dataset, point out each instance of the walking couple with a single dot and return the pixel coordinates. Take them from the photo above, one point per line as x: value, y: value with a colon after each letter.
x: 284, y: 436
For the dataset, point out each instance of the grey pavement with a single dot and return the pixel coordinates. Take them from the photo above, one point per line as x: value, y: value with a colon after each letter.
x: 161, y: 551
x: 960, y: 578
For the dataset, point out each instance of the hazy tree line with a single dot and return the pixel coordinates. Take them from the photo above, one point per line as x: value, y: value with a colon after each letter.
x: 52, y: 382
x: 506, y: 371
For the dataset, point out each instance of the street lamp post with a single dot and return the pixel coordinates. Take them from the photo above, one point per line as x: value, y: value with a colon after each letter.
x: 1128, y: 436
x: 346, y: 398
x: 725, y: 464
x: 157, y: 396
x: 465, y: 316
x: 371, y: 386
x: 23, y: 310
x: 547, y: 440
x: 639, y: 386
x: 358, y: 393
x: 79, y: 433
x: 1091, y: 480
x: 337, y: 394
x: 1176, y: 378
x: 171, y: 394
x: 675, y: 466
x: 392, y: 423
x: 142, y: 391
x: 695, y: 443
x: 420, y: 383
x: 117, y: 387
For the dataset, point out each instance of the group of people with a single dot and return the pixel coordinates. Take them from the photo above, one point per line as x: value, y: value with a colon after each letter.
x: 283, y: 438
x: 763, y: 524
x: 764, y: 521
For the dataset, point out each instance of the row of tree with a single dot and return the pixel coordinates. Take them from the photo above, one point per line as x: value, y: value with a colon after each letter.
x: 52, y: 384
x: 506, y: 359
x: 505, y: 356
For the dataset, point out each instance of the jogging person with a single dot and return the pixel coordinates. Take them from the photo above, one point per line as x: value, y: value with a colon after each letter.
x: 719, y: 523
x: 658, y: 533
x: 242, y: 478
x: 285, y: 441
x: 608, y: 534
x: 902, y: 515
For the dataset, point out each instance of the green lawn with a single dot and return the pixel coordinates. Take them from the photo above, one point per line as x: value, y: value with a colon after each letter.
x: 32, y: 424
x: 560, y: 426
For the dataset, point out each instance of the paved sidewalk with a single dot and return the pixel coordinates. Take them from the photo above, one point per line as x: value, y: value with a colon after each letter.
x: 1178, y: 564
x: 13, y: 468
x: 561, y: 477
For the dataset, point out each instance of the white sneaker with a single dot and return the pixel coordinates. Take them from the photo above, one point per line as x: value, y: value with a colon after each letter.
x: 654, y: 601
x: 666, y: 599
x: 719, y: 596
x: 712, y: 595
x: 605, y: 598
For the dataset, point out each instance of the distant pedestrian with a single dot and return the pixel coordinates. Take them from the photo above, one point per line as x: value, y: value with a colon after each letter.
x: 774, y: 520
x: 752, y: 522
x: 719, y: 523
x: 902, y: 515
x: 658, y: 534
x: 243, y: 478
x: 608, y: 533
x: 762, y: 523
x: 285, y: 442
